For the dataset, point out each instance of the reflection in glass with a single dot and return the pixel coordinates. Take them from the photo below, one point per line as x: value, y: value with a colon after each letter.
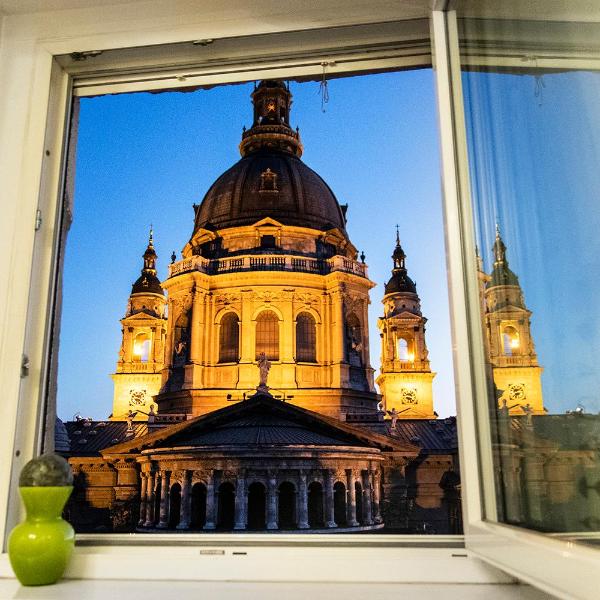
x: 534, y: 149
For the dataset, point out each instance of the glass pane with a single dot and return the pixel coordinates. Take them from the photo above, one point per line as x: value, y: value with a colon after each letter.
x: 306, y: 338
x: 267, y: 335
x: 280, y: 245
x: 229, y: 341
x: 534, y: 149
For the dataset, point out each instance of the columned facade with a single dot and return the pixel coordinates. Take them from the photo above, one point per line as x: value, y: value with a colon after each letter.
x: 241, y: 475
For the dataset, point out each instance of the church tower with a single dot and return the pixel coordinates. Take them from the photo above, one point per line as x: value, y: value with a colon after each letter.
x: 406, y: 378
x: 511, y: 352
x: 141, y: 355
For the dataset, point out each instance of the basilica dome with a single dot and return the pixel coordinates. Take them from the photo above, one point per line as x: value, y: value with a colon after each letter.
x: 270, y: 180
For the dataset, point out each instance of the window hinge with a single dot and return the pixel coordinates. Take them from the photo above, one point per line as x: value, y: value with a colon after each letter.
x: 24, y: 366
x: 38, y: 219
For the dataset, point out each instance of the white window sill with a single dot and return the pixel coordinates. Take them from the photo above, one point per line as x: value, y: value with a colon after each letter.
x: 159, y: 590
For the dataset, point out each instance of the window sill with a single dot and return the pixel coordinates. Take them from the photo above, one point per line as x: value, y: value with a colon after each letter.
x: 245, y: 563
x: 77, y: 589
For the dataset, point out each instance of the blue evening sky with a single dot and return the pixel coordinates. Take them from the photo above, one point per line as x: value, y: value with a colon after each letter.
x: 146, y: 158
x: 535, y: 168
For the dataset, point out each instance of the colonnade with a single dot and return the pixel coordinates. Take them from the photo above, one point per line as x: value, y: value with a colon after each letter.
x: 321, y: 499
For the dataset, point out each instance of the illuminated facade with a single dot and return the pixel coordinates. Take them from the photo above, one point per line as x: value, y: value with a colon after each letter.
x: 406, y: 378
x: 141, y: 356
x: 509, y: 345
x: 269, y: 267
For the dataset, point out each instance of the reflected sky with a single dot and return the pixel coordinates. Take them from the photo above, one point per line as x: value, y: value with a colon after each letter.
x: 535, y: 169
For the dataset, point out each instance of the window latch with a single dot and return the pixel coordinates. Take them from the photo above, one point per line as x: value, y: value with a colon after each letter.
x: 38, y: 219
x: 24, y: 366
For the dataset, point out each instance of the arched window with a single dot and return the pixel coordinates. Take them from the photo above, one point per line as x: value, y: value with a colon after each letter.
x: 267, y: 335
x: 402, y: 349
x: 510, y: 341
x: 306, y: 338
x: 229, y: 339
x: 141, y: 347
x: 354, y: 341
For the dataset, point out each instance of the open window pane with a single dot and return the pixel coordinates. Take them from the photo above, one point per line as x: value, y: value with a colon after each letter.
x: 533, y: 128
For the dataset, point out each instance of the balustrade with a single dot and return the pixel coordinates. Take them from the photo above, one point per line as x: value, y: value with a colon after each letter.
x: 268, y: 263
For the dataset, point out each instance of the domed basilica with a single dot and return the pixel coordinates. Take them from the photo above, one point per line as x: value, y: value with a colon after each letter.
x: 244, y: 397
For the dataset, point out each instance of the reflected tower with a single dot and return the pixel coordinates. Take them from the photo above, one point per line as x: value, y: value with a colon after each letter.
x: 511, y: 351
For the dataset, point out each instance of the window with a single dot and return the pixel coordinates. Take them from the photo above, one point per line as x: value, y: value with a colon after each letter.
x: 24, y: 429
x: 267, y: 335
x: 403, y: 349
x: 267, y: 241
x: 141, y: 347
x: 229, y: 339
x: 510, y: 341
x: 306, y: 338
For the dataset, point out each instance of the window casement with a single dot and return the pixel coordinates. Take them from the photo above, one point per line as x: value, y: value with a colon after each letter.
x: 306, y: 338
x: 267, y: 335
x: 60, y: 63
x: 229, y: 338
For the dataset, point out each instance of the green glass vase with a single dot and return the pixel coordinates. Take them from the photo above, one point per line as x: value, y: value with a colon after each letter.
x: 39, y: 548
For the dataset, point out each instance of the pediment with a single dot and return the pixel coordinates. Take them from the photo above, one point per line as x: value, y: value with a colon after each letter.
x: 141, y: 317
x: 262, y: 420
x: 405, y: 315
x: 267, y: 222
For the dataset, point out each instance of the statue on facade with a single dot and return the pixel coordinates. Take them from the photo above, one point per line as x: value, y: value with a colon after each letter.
x: 394, y: 415
x: 264, y: 365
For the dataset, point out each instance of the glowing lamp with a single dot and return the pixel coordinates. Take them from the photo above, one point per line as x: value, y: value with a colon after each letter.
x: 514, y: 343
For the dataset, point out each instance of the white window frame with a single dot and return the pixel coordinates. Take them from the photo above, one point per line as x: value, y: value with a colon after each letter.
x: 34, y: 110
x: 553, y: 564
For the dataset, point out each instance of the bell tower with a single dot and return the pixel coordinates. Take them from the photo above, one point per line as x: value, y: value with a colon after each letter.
x: 511, y: 352
x: 406, y: 378
x: 141, y: 356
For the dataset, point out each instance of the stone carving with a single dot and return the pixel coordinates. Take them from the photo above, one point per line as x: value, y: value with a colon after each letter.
x: 181, y: 303
x: 266, y: 296
x: 264, y: 365
x: 306, y: 298
x: 394, y: 414
x: 227, y: 298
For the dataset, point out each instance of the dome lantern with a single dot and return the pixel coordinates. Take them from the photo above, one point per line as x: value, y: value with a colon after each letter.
x: 271, y: 129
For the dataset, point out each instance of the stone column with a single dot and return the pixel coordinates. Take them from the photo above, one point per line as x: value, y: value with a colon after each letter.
x: 210, y: 503
x: 241, y: 506
x: 286, y: 331
x: 170, y: 333
x: 186, y: 501
x: 329, y: 496
x: 338, y: 350
x: 164, y: 500
x: 302, y: 501
x: 272, y: 493
x: 128, y: 344
x: 143, y: 499
x: 367, y: 499
x: 196, y: 330
x: 376, y: 475
x: 156, y: 344
x: 351, y: 503
x: 246, y: 337
x: 150, y: 499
